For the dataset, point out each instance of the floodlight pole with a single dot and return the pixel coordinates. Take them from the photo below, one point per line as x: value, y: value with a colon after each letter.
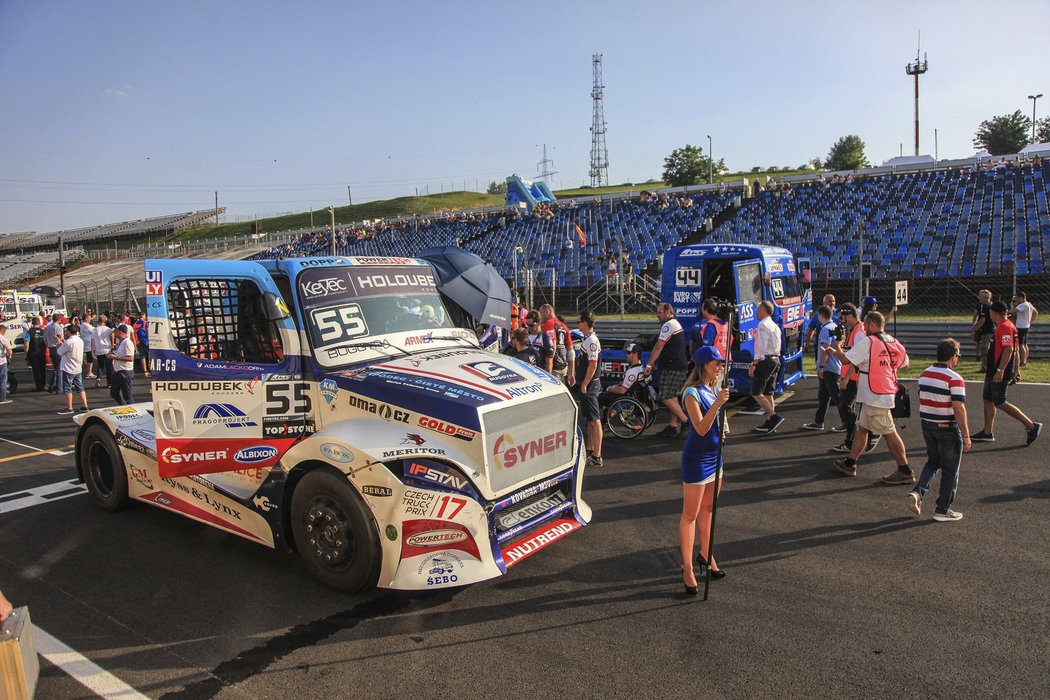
x: 61, y: 268
x: 917, y: 69
x: 710, y: 162
x: 1033, y: 98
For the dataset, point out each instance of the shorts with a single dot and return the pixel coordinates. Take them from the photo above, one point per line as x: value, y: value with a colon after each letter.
x: 765, y: 379
x: 143, y: 353
x: 559, y: 373
x: 589, y: 401
x: 877, y: 421
x: 89, y: 357
x: 995, y: 392
x: 72, y: 383
x: 671, y: 382
x: 1022, y: 336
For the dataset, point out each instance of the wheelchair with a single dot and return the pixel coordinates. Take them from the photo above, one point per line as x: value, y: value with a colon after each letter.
x: 630, y: 414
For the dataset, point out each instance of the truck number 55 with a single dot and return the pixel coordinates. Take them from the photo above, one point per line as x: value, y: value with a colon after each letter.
x: 285, y: 399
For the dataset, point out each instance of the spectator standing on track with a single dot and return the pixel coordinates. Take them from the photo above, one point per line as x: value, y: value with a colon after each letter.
x: 519, y: 347
x: 36, y: 353
x: 540, y: 341
x: 700, y: 464
x: 558, y: 332
x: 52, y: 335
x: 829, y: 368
x: 765, y: 367
x: 590, y: 388
x: 5, y: 356
x: 669, y: 356
x: 983, y: 327
x: 1002, y: 368
x: 852, y: 327
x: 813, y: 329
x: 71, y: 351
x: 103, y: 343
x: 123, y: 359
x: 877, y: 355
x: 1024, y: 314
x: 942, y: 407
x: 142, y: 336
x: 87, y: 334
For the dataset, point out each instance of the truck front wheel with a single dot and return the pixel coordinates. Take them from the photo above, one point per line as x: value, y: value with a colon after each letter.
x: 334, y: 532
x: 103, y: 468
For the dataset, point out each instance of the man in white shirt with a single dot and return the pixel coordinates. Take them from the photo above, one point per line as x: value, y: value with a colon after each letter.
x: 877, y: 356
x: 103, y: 343
x: 1025, y: 314
x: 5, y: 354
x: 70, y: 350
x: 52, y: 334
x: 590, y: 389
x: 765, y: 367
x: 123, y: 359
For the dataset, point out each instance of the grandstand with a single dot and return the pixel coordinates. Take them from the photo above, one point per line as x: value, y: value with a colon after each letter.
x: 125, y: 230
x: 18, y: 269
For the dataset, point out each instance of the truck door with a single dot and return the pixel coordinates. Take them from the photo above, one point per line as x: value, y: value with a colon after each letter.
x: 805, y: 281
x: 224, y: 356
x: 747, y: 277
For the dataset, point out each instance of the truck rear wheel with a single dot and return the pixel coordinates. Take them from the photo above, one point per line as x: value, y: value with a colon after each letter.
x: 103, y: 468
x: 334, y: 532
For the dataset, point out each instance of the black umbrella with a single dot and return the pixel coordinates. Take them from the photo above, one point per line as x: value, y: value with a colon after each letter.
x: 471, y: 283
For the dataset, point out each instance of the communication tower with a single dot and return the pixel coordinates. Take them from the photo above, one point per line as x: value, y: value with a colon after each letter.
x: 599, y: 153
x: 917, y: 69
x: 544, y: 168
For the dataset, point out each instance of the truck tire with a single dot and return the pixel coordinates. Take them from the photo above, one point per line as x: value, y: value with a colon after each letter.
x: 103, y: 468
x: 334, y: 533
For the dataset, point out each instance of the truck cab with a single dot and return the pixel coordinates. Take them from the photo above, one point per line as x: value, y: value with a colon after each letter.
x: 332, y: 407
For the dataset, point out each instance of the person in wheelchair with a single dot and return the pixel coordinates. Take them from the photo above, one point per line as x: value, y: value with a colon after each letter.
x: 633, y: 377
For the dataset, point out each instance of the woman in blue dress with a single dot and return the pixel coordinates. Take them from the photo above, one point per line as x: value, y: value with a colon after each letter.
x: 701, y: 401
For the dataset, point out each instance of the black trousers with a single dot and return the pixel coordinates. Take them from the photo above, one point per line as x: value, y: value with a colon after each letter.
x: 39, y: 365
x: 827, y: 394
x: 120, y: 388
x: 848, y: 410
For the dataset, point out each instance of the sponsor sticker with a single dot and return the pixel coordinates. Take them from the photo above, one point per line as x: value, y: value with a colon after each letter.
x: 222, y: 414
x: 493, y: 372
x: 173, y: 455
x: 252, y: 455
x: 446, y: 428
x: 554, y: 532
x: 124, y: 411
x: 336, y: 453
x: 509, y: 454
x: 439, y: 474
x: 379, y: 491
x: 329, y: 389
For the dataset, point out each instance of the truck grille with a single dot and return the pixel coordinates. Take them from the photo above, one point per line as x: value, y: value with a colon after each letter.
x: 526, y: 440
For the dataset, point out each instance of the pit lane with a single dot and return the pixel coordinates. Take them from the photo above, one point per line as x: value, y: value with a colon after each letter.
x: 833, y: 589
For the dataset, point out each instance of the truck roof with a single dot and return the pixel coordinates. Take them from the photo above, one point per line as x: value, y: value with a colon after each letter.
x: 731, y: 250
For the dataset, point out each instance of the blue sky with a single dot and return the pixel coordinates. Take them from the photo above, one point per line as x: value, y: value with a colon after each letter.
x: 122, y: 110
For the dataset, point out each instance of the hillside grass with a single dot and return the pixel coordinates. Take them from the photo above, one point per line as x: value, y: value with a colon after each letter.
x: 762, y: 177
x: 970, y: 368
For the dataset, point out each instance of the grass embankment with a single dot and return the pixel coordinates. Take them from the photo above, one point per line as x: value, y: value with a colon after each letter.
x: 380, y: 209
x: 970, y: 368
x: 762, y: 177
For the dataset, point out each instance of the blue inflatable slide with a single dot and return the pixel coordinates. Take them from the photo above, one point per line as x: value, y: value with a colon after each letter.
x: 528, y: 193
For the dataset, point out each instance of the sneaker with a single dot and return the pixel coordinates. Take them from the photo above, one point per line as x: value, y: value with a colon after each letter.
x: 982, y: 437
x: 915, y: 503
x: 593, y: 461
x: 775, y: 423
x: 1033, y: 434
x: 846, y: 468
x: 899, y: 477
x: 669, y: 431
x: 950, y: 517
x: 839, y: 429
x: 813, y: 426
x: 872, y: 444
x: 7, y: 401
x: 842, y: 447
x: 67, y: 412
x: 764, y: 428
x: 91, y: 376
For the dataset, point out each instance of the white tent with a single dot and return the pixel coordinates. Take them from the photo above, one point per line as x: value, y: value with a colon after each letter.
x: 1033, y: 148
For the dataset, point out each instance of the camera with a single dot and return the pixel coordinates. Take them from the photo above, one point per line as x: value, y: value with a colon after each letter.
x: 836, y: 333
x: 719, y: 307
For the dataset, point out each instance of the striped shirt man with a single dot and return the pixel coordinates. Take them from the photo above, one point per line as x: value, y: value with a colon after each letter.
x: 939, y: 387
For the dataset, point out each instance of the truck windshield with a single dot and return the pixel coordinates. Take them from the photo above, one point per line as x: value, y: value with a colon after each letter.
x: 786, y: 287
x: 400, y: 305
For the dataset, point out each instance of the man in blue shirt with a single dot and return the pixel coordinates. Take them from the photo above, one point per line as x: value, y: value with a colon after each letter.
x: 814, y: 322
x: 828, y: 367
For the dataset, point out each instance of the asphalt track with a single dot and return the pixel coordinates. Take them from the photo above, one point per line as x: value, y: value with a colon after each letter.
x: 834, y: 590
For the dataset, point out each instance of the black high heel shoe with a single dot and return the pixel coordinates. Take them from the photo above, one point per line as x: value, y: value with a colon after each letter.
x: 715, y: 573
x: 691, y: 590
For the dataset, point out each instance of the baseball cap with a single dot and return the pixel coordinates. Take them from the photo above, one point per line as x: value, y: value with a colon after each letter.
x: 707, y: 353
x: 870, y: 300
x: 632, y: 347
x: 122, y: 328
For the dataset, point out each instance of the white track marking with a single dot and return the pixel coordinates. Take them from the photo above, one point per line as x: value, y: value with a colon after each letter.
x: 22, y: 444
x: 28, y: 498
x: 83, y: 671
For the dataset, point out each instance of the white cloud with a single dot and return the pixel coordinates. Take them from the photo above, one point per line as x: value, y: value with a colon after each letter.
x: 122, y: 91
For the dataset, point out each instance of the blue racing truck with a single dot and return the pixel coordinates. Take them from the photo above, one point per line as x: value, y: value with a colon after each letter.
x: 742, y: 275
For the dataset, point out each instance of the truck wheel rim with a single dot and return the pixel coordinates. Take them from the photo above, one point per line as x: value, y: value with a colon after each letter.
x: 100, y: 468
x: 329, y: 535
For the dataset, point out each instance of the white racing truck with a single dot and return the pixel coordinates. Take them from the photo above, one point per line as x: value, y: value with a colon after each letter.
x: 329, y: 406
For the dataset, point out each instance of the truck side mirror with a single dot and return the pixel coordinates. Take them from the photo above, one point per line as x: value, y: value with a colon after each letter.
x: 276, y: 309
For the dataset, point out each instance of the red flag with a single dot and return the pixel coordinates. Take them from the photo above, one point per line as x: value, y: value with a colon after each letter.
x: 579, y: 232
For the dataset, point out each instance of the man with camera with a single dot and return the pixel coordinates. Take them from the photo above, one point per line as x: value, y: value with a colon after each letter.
x: 983, y: 327
x: 877, y: 357
x: 828, y: 367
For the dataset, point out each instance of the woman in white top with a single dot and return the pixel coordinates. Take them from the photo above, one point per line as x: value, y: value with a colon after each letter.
x: 103, y: 344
